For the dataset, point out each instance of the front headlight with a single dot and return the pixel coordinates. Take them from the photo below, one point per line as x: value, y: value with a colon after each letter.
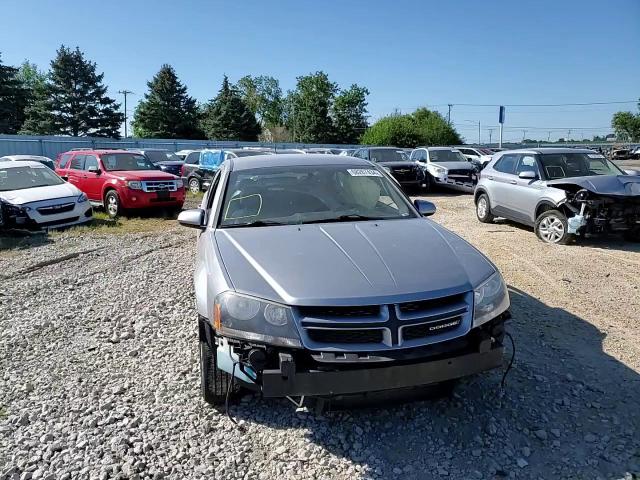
x: 134, y: 185
x: 242, y: 316
x: 179, y: 183
x: 439, y: 170
x: 82, y: 198
x: 490, y: 299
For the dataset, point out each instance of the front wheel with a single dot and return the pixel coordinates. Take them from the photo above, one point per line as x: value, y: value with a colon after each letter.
x: 213, y: 381
x: 483, y: 209
x: 552, y: 227
x: 194, y: 185
x: 112, y: 204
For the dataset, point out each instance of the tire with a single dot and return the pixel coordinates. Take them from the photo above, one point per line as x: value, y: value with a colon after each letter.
x: 483, y: 209
x: 551, y: 227
x: 213, y: 382
x: 632, y: 235
x: 112, y: 204
x: 194, y: 185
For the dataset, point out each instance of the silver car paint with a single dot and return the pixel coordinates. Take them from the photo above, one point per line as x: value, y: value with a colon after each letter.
x: 331, y: 264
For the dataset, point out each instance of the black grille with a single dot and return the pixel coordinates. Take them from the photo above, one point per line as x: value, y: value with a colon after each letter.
x: 323, y: 312
x: 435, y: 303
x: 55, y: 209
x: 464, y: 173
x: 415, y: 332
x: 404, y: 173
x: 345, y: 336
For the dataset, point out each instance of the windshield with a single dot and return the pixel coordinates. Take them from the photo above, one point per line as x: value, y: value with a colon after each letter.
x: 388, y: 155
x: 161, y: 156
x: 446, y: 156
x: 126, y: 161
x: 310, y: 194
x: 564, y: 165
x: 20, y: 178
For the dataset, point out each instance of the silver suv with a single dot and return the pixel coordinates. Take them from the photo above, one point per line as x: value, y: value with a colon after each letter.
x: 561, y: 192
x: 311, y: 280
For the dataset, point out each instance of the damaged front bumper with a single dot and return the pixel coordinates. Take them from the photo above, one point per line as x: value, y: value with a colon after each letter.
x: 287, y: 381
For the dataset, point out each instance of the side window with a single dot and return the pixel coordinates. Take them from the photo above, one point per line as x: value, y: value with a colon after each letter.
x: 77, y: 162
x: 507, y: 163
x: 64, y: 160
x: 464, y: 151
x: 90, y: 161
x: 193, y: 158
x: 527, y: 163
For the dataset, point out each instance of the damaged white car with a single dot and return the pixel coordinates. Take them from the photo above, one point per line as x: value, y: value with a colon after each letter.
x: 563, y: 193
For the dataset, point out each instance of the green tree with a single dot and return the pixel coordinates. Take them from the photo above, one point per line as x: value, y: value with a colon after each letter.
x: 308, y: 109
x: 422, y: 127
x: 38, y: 117
x: 263, y: 96
x: 627, y: 125
x: 227, y: 117
x: 77, y: 98
x: 167, y: 111
x: 349, y: 113
x: 13, y: 100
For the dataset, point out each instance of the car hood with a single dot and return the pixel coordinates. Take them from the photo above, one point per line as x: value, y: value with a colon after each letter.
x: 37, y: 194
x: 350, y: 263
x: 143, y: 175
x: 616, y: 185
x: 397, y: 164
x: 454, y: 165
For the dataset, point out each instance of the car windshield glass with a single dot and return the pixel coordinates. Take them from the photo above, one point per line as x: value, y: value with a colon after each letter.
x: 310, y: 194
x: 20, y: 178
x: 127, y: 161
x: 389, y: 155
x: 161, y: 156
x: 446, y: 156
x: 564, y: 165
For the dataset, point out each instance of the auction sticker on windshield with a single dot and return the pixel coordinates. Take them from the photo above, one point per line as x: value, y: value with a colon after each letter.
x: 363, y: 172
x: 595, y: 155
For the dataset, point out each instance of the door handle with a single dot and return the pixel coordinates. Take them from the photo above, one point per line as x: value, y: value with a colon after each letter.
x: 513, y: 182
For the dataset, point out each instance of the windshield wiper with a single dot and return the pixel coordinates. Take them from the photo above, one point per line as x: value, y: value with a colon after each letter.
x: 345, y: 218
x: 257, y: 223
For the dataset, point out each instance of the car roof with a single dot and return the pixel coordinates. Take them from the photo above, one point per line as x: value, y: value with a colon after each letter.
x: 384, y: 148
x: 101, y: 151
x: 25, y: 157
x: 436, y: 148
x: 21, y: 163
x: 543, y: 150
x: 260, y: 161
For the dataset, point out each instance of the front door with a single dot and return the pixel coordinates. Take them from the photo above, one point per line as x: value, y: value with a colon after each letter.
x: 93, y: 180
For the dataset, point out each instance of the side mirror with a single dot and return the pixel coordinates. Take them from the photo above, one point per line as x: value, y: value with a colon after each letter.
x: 94, y: 169
x: 424, y: 207
x: 528, y: 175
x: 193, y: 218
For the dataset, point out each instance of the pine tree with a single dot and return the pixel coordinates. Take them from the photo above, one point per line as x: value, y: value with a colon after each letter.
x: 167, y: 111
x: 13, y: 100
x: 77, y: 99
x: 227, y: 117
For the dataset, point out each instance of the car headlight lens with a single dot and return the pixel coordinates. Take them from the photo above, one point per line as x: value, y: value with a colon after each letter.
x: 82, y: 198
x: 179, y: 183
x: 242, y: 316
x: 134, y: 185
x: 440, y: 170
x: 490, y: 299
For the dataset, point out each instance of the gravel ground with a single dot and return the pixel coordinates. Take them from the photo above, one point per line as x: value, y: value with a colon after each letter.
x: 100, y: 375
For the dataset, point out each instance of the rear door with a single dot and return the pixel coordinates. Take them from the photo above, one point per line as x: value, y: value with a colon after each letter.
x: 75, y: 172
x: 501, y: 181
x: 191, y: 164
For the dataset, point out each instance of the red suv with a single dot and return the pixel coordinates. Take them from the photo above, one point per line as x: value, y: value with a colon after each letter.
x: 119, y: 180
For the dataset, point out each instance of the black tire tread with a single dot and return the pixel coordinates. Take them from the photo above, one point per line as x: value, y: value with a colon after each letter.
x: 213, y: 382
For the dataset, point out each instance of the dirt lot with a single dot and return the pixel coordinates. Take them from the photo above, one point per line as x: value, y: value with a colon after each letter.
x: 100, y: 377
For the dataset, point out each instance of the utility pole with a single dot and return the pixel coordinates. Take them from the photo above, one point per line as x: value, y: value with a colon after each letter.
x: 479, y: 133
x: 490, y: 135
x: 449, y: 113
x: 125, y: 93
x: 549, y: 136
x: 524, y: 135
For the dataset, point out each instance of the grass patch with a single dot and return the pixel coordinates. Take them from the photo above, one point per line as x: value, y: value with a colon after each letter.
x: 102, y: 224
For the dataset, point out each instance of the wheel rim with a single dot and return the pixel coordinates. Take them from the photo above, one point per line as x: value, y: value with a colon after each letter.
x: 112, y: 205
x: 551, y: 229
x: 194, y: 186
x: 482, y: 207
